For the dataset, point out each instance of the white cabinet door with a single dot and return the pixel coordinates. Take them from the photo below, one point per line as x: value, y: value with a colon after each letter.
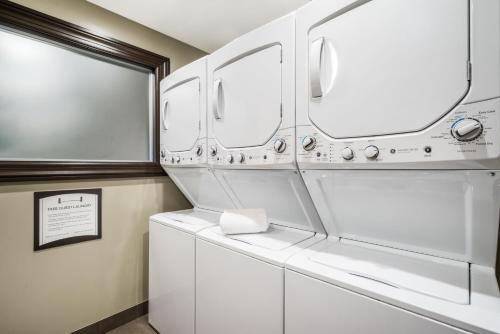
x: 171, y: 279
x: 313, y: 306
x: 246, y: 101
x: 180, y: 116
x: 388, y: 66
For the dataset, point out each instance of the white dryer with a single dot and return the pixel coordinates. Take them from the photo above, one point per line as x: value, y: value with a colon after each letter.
x: 183, y: 136
x: 240, y: 279
x: 172, y: 235
x: 398, y: 133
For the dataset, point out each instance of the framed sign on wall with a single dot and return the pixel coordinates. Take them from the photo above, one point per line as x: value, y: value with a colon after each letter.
x: 66, y: 217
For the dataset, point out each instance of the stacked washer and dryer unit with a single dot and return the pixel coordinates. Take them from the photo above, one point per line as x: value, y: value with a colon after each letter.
x: 398, y: 114
x: 183, y: 147
x: 251, y: 141
x: 397, y: 142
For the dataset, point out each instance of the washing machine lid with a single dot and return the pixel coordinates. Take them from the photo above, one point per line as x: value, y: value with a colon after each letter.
x: 282, y: 193
x: 448, y: 214
x: 388, y: 66
x: 275, y: 246
x: 201, y: 188
x: 190, y: 221
x: 428, y: 275
x: 246, y: 101
x: 276, y: 238
x: 181, y: 115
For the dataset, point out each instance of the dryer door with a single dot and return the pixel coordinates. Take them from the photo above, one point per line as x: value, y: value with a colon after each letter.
x: 180, y: 116
x: 246, y: 101
x: 388, y: 66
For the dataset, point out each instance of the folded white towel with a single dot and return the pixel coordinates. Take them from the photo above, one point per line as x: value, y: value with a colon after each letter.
x: 243, y: 221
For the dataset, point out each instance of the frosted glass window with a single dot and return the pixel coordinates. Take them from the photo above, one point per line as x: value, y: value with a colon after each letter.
x: 59, y: 103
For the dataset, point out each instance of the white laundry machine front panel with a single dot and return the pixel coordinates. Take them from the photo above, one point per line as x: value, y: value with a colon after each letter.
x: 201, y: 188
x: 236, y: 293
x: 171, y: 279
x: 181, y: 116
x: 451, y: 214
x: 183, y: 137
x: 251, y: 94
x: 388, y: 66
x: 382, y: 84
x: 314, y: 306
x: 247, y: 99
x: 282, y: 193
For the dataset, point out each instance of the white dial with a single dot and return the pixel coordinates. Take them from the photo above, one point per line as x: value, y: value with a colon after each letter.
x: 229, y: 158
x: 177, y: 159
x: 199, y: 150
x: 371, y: 152
x: 309, y: 143
x: 280, y: 145
x: 213, y: 150
x: 467, y: 129
x: 347, y: 153
x: 240, y: 157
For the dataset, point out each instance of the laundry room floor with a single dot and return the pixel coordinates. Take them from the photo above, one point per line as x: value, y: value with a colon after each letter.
x: 137, y: 326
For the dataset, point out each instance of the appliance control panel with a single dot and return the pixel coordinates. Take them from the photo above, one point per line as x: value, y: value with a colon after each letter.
x: 197, y: 155
x: 468, y: 133
x: 278, y: 152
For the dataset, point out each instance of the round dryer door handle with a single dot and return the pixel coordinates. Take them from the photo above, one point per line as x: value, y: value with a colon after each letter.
x: 164, y: 119
x: 315, y: 67
x: 217, y: 99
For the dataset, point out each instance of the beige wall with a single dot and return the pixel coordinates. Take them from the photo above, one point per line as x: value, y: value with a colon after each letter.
x: 66, y: 288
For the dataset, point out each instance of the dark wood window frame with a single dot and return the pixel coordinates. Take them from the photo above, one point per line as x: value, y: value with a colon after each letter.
x: 48, y: 27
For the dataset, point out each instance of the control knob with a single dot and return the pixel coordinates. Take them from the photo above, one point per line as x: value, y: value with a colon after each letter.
x: 240, y: 157
x: 213, y: 150
x: 199, y: 150
x: 347, y: 153
x: 308, y: 143
x: 229, y: 158
x: 371, y: 152
x: 280, y: 145
x: 177, y: 159
x: 467, y: 129
x: 162, y: 153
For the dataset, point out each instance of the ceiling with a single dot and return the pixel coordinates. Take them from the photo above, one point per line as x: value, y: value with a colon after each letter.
x: 205, y: 24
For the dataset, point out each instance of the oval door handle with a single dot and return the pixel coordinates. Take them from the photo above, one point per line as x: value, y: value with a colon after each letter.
x: 217, y: 99
x: 164, y: 116
x: 315, y: 67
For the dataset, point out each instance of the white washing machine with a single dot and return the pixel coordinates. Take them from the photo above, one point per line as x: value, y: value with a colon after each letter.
x: 172, y: 268
x: 240, y: 279
x: 172, y: 235
x: 398, y: 125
